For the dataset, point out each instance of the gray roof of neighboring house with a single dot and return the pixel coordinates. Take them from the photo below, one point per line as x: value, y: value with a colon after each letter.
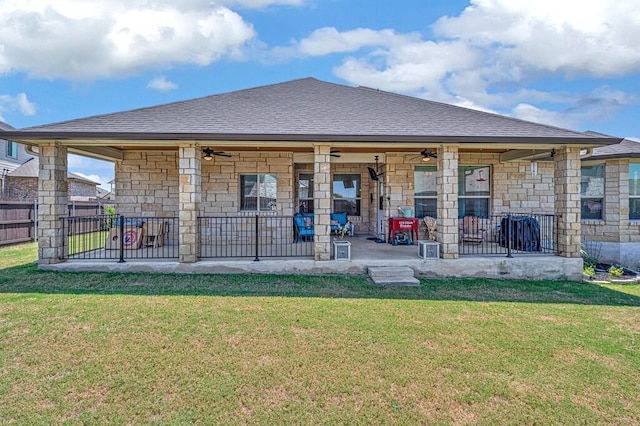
x: 31, y: 169
x: 626, y: 149
x: 309, y: 109
x: 8, y: 165
x: 5, y: 126
x: 102, y: 193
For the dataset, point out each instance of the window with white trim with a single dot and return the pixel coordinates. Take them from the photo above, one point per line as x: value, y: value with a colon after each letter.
x: 592, y: 191
x: 474, y: 190
x: 425, y: 194
x: 258, y: 192
x: 634, y: 191
x: 347, y: 193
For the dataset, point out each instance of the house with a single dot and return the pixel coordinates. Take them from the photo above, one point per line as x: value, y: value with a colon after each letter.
x: 22, y: 184
x: 232, y: 169
x: 12, y: 155
x: 610, y: 202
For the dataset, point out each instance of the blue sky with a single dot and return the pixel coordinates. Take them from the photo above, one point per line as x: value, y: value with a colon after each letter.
x: 568, y: 63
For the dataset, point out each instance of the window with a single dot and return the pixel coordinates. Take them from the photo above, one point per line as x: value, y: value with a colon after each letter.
x: 634, y: 191
x: 12, y: 149
x: 258, y: 192
x: 474, y: 190
x: 592, y: 191
x: 305, y: 193
x: 346, y: 193
x: 426, y: 191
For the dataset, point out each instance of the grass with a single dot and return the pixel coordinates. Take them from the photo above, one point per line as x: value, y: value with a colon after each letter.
x: 238, y: 349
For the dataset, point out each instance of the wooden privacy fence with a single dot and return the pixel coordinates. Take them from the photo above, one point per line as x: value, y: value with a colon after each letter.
x: 18, y: 219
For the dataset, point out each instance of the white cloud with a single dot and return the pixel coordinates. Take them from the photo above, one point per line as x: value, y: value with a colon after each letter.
x: 553, y: 118
x: 161, y: 84
x: 327, y: 40
x: 103, y: 38
x: 485, y: 57
x: 25, y: 106
x: 19, y: 102
x: 260, y: 4
x: 568, y: 37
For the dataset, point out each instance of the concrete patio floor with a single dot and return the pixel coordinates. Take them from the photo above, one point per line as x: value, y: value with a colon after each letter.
x: 365, y: 253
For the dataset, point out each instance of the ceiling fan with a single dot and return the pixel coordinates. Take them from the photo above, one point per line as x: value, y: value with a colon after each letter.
x: 427, y: 155
x: 335, y: 153
x: 209, y: 153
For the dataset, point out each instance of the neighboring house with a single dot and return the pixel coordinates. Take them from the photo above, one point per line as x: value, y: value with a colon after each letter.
x: 330, y: 148
x: 22, y: 184
x: 12, y: 155
x: 103, y: 194
x: 610, y: 197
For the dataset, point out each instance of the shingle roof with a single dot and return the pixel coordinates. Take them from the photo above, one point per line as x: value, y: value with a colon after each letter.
x: 8, y: 166
x: 5, y: 126
x: 306, y: 108
x: 626, y: 149
x: 31, y: 169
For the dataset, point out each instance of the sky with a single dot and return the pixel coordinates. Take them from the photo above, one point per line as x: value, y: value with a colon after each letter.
x: 567, y: 63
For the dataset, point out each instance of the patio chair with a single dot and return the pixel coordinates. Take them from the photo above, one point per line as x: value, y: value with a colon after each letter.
x: 430, y: 226
x: 471, y: 231
x: 303, y: 227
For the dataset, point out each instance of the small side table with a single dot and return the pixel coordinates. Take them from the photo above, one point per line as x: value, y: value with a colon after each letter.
x: 342, y: 250
x: 428, y: 249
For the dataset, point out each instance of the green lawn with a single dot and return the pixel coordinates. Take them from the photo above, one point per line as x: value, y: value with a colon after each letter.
x: 238, y: 349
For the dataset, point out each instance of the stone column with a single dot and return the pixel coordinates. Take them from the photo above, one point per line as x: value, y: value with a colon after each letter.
x: 567, y: 200
x: 52, y: 203
x: 447, y: 181
x: 616, y: 200
x: 189, y: 188
x: 322, y: 202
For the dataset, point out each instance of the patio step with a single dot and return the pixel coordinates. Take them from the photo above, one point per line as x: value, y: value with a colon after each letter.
x: 393, y: 275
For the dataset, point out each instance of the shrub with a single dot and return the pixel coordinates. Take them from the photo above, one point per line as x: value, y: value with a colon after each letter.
x: 589, y: 270
x: 586, y: 257
x: 616, y: 271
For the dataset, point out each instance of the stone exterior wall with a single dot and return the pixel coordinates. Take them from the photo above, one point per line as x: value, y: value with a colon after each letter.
x: 615, y: 225
x: 147, y: 183
x: 221, y: 181
x: 21, y: 188
x: 513, y: 188
x: 26, y: 189
x: 614, y: 238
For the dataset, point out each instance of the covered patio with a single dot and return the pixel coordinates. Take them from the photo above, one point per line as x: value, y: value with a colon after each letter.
x: 324, y: 148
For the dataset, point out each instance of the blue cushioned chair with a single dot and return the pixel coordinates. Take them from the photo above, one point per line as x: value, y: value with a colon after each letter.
x: 303, y: 226
x: 339, y: 221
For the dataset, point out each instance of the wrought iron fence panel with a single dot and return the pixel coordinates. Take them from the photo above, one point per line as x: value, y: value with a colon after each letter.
x: 509, y: 234
x: 251, y: 237
x: 120, y: 237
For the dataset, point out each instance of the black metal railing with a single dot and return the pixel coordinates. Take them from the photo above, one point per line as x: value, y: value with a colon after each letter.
x: 119, y: 237
x: 251, y: 236
x: 509, y: 234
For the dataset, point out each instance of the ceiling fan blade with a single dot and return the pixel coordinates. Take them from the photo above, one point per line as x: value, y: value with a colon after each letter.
x: 428, y: 154
x: 334, y: 153
x: 222, y: 154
